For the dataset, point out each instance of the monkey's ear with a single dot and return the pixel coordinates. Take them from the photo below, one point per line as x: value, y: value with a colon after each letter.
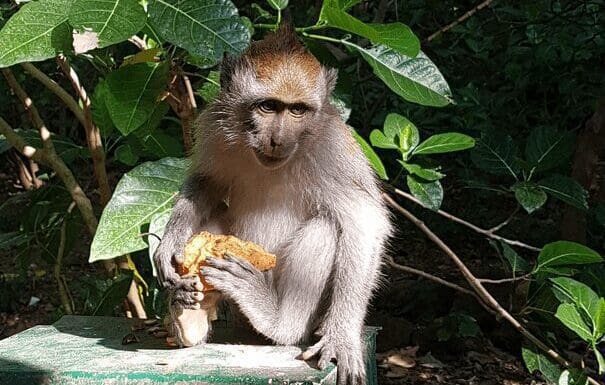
x: 227, y: 67
x: 331, y: 76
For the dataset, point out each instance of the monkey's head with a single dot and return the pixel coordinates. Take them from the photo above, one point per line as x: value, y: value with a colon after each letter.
x: 274, y: 97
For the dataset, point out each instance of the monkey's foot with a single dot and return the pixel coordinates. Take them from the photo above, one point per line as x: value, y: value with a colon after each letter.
x: 349, y: 359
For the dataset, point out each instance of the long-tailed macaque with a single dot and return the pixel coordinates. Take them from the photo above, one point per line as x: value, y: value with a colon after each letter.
x: 276, y: 165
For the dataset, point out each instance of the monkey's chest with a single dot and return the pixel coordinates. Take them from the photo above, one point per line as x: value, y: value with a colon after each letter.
x: 268, y: 220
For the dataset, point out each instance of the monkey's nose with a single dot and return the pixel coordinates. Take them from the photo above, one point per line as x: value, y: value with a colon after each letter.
x: 274, y: 143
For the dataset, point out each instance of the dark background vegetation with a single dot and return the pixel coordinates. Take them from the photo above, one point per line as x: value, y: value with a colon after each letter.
x: 513, y: 66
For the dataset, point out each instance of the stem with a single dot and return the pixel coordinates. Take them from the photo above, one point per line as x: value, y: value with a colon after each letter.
x: 477, y: 286
x: 278, y: 22
x: 55, y: 88
x: 62, y: 285
x: 487, y: 233
x: 325, y: 38
x: 459, y: 20
x: 505, y: 280
x: 310, y: 28
x: 505, y: 222
x: 264, y: 26
x: 93, y: 135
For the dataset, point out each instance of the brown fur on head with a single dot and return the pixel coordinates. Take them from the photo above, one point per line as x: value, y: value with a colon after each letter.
x: 274, y: 96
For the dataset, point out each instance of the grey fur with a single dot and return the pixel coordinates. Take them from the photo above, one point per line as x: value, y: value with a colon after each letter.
x: 321, y: 213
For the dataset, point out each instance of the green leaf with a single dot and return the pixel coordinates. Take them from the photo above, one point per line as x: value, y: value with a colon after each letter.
x: 416, y: 79
x: 278, y: 4
x: 517, y: 263
x: 13, y: 239
x: 536, y: 361
x: 442, y: 143
x: 346, y: 4
x: 430, y: 194
x: 573, y: 377
x: 566, y: 253
x: 396, y: 36
x: 38, y: 31
x: 429, y: 174
x: 580, y: 295
x: 125, y: 154
x: 146, y: 190
x: 378, y: 139
x: 570, y: 317
x: 211, y: 87
x: 375, y: 161
x: 495, y: 153
x: 64, y: 146
x: 600, y: 318
x: 394, y: 125
x: 529, y: 195
x: 133, y: 92
x: 157, y: 226
x: 546, y: 148
x: 112, y: 21
x: 100, y: 112
x: 566, y: 190
x: 114, y: 295
x: 206, y: 30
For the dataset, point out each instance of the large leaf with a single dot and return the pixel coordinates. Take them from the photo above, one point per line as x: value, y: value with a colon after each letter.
x: 416, y: 79
x: 529, y: 195
x: 396, y: 36
x: 143, y: 192
x: 112, y: 21
x: 442, y: 143
x: 566, y: 253
x: 380, y: 140
x: 278, y: 4
x: 114, y: 295
x: 205, y: 29
x: 566, y: 190
x: 429, y: 193
x: 133, y: 92
x: 580, y: 295
x: 537, y: 361
x: 100, y: 112
x: 495, y: 153
x: 373, y: 158
x: 38, y: 31
x: 570, y: 317
x: 546, y: 148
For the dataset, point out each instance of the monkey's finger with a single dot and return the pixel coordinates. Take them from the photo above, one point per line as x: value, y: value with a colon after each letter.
x: 187, y: 300
x: 228, y: 265
x: 223, y: 281
x: 190, y: 283
x: 243, y: 263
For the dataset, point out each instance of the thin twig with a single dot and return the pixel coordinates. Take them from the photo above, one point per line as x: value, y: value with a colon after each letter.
x: 430, y: 277
x: 504, y: 223
x: 61, y: 284
x: 459, y: 20
x: 487, y: 233
x: 477, y: 286
x: 140, y: 43
x: 505, y: 280
x: 56, y: 89
x: 93, y: 135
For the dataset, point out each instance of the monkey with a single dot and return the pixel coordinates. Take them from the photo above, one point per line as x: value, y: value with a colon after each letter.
x: 273, y: 163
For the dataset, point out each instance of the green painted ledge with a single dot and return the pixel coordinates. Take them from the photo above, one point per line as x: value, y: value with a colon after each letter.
x: 79, y: 350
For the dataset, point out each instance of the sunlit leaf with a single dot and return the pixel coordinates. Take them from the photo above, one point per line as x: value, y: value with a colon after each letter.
x: 143, y: 192
x: 425, y: 173
x: 112, y: 21
x: 429, y: 193
x: 442, y: 143
x: 373, y: 158
x: 566, y: 253
x: 537, y: 361
x: 570, y: 317
x: 529, y: 195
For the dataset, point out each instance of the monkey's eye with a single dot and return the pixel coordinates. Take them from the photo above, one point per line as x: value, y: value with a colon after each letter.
x: 298, y: 109
x: 268, y: 106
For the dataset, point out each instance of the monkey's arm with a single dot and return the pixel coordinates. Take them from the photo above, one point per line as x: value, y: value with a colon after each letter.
x: 363, y: 229
x: 198, y: 197
x: 302, y: 270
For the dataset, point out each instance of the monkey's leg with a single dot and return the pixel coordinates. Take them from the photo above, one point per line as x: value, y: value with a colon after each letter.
x: 283, y: 312
x: 363, y: 230
x: 197, y: 199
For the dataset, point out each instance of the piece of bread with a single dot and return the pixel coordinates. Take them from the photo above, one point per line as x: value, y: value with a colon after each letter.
x: 206, y: 244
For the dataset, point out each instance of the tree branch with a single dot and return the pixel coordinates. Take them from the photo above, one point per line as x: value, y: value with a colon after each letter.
x: 56, y: 89
x: 459, y: 20
x: 487, y: 233
x: 93, y: 135
x: 477, y: 286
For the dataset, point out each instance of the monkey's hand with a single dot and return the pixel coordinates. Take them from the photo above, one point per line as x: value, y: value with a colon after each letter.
x: 185, y: 291
x: 346, y: 351
x: 235, y: 277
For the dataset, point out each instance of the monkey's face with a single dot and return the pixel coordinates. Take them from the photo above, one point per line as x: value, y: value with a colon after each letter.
x: 275, y: 130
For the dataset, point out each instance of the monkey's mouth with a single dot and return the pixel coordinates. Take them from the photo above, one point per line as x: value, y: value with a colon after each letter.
x: 270, y: 161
